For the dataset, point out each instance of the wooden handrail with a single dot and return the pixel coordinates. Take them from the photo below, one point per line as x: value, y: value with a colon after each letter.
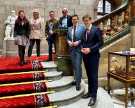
x: 115, y: 24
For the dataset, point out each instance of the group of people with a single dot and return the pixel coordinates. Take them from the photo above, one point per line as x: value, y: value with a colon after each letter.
x: 26, y: 31
x: 84, y: 42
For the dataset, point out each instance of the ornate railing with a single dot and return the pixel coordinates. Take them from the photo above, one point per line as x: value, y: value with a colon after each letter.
x: 115, y: 24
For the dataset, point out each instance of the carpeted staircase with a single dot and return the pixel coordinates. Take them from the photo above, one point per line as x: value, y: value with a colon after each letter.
x: 11, y: 63
x: 36, y: 89
x: 46, y: 88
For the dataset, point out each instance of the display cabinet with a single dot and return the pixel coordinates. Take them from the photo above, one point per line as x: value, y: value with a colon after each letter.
x: 121, y: 66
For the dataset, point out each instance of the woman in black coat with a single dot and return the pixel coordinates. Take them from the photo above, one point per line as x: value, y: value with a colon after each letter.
x: 21, y: 34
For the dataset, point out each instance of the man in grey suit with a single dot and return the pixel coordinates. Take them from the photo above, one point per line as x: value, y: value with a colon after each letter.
x: 74, y: 37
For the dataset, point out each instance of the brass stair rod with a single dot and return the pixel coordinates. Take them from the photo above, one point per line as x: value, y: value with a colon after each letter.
x: 25, y: 95
x: 32, y: 82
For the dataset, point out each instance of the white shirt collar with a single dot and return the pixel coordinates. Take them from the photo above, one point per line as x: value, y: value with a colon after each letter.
x: 89, y: 28
x: 76, y: 26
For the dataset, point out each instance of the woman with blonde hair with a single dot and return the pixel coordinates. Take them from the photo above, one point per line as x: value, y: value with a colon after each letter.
x: 36, y: 32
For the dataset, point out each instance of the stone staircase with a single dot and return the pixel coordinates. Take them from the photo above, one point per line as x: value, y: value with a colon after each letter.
x: 66, y: 96
x: 65, y: 93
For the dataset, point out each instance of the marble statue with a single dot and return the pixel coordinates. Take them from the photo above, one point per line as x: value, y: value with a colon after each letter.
x: 10, y: 22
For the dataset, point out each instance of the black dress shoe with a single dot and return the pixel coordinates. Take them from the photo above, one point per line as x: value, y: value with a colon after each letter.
x: 73, y: 83
x: 92, y: 101
x: 78, y: 87
x: 87, y: 95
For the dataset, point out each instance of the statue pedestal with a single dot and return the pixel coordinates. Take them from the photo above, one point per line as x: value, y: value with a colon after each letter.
x: 63, y: 59
x: 9, y: 48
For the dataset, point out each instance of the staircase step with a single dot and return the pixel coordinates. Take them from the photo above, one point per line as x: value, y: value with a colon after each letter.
x: 53, y: 75
x: 49, y: 66
x: 17, y: 77
x: 67, y: 96
x: 61, y: 84
x: 103, y: 101
x: 78, y: 104
x: 58, y: 85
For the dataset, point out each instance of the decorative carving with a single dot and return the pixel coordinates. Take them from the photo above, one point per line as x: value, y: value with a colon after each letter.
x: 40, y: 87
x: 38, y: 76
x: 36, y: 65
x: 40, y: 101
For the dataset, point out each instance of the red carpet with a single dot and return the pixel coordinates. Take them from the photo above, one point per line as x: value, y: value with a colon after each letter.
x: 24, y: 83
x: 10, y: 64
x: 21, y: 77
x: 25, y: 102
x: 22, y: 89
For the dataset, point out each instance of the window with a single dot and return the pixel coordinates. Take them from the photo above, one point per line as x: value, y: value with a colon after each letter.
x: 104, y: 7
x: 100, y: 6
x: 107, y: 7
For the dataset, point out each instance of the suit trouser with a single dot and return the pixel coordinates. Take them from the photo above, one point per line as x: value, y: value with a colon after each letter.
x: 76, y: 58
x: 21, y: 52
x: 32, y: 42
x: 91, y: 62
x: 51, y: 40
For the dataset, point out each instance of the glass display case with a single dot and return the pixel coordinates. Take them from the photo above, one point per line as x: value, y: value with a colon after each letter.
x: 121, y: 66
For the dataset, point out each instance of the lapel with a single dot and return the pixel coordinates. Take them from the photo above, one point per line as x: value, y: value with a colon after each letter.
x: 76, y: 32
x: 89, y: 35
x: 70, y: 32
x: 64, y: 17
x: 67, y: 18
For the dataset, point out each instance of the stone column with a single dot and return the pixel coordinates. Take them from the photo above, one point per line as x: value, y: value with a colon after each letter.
x: 132, y: 4
x: 132, y: 30
x: 132, y: 23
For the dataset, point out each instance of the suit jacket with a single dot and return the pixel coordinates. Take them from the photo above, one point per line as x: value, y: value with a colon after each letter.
x: 55, y: 26
x: 69, y: 21
x: 78, y: 35
x: 36, y: 29
x: 94, y: 40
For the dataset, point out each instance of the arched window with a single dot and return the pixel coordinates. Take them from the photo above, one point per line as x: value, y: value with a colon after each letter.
x: 104, y: 7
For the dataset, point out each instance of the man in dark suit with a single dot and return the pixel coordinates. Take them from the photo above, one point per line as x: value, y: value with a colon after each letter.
x: 50, y: 31
x: 91, y: 43
x: 66, y: 20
